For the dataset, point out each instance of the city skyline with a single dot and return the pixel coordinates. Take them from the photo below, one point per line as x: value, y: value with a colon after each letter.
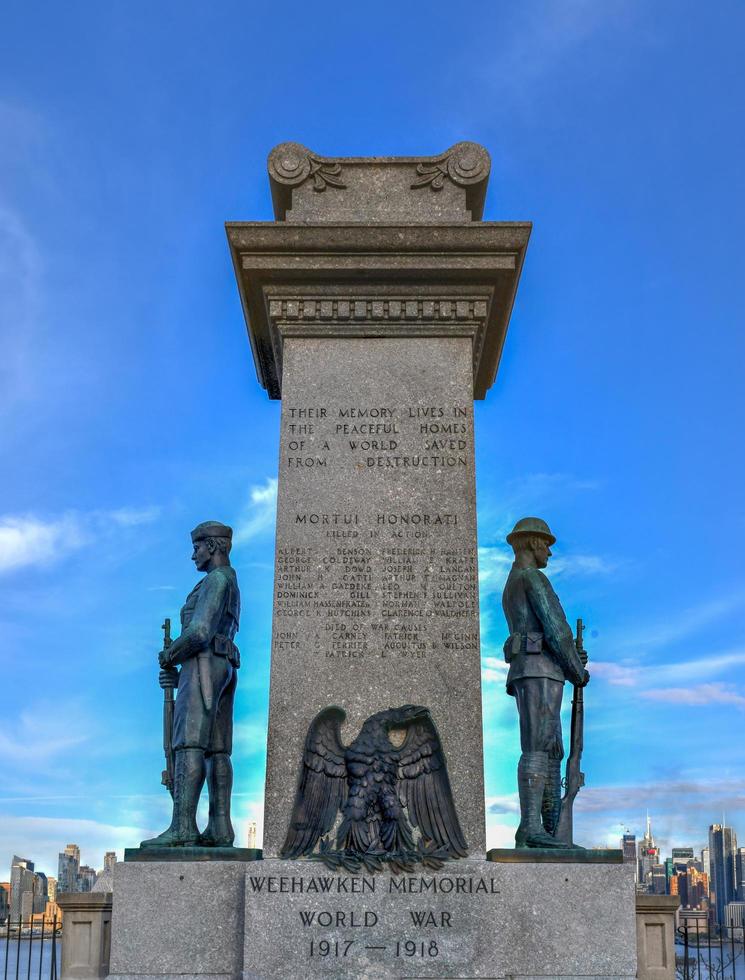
x: 697, y: 845
x: 130, y: 410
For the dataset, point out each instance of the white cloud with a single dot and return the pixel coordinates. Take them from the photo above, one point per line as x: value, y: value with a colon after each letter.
x: 495, y: 562
x: 260, y: 513
x: 618, y: 674
x: 31, y: 541
x: 250, y: 737
x: 132, y: 516
x: 28, y: 540
x: 716, y: 692
x: 42, y: 838
x: 684, y: 623
x: 493, y: 670
x: 35, y: 738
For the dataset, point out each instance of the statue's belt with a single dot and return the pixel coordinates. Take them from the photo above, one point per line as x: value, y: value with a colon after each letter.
x: 522, y: 643
x: 223, y: 646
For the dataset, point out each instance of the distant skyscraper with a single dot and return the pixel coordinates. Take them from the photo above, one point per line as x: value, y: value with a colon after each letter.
x: 628, y: 846
x: 52, y: 889
x: 86, y: 878
x: 68, y: 868
x: 740, y: 874
x: 648, y: 855
x: 109, y: 860
x: 4, y: 901
x: 40, y: 892
x: 252, y: 834
x: 722, y: 850
x: 706, y: 862
x: 22, y: 879
x: 658, y: 880
x: 734, y: 919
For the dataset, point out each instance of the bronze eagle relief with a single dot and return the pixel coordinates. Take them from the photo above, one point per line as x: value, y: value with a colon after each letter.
x: 396, y: 804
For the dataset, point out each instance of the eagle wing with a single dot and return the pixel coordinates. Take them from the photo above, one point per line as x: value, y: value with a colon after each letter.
x: 322, y: 787
x: 424, y: 787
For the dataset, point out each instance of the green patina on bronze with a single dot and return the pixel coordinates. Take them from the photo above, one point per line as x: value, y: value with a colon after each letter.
x: 542, y: 654
x: 198, y: 727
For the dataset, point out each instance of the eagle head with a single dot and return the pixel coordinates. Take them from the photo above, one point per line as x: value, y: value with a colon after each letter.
x: 404, y: 716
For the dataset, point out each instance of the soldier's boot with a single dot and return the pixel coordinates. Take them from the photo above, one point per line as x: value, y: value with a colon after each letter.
x: 219, y: 830
x: 551, y: 807
x: 532, y: 773
x: 188, y: 779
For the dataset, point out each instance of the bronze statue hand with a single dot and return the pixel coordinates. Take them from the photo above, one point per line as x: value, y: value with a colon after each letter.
x: 583, y: 657
x: 168, y: 678
x: 586, y: 679
x: 164, y: 660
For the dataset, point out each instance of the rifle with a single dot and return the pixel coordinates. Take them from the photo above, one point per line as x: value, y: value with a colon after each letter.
x: 574, y: 778
x: 167, y: 775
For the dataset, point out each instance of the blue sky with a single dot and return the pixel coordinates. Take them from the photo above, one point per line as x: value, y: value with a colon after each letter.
x: 129, y: 408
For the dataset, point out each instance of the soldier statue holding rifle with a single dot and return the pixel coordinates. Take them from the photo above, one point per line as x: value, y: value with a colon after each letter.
x: 198, y: 728
x: 542, y: 654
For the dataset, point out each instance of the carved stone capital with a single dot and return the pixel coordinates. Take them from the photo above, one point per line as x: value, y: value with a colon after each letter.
x: 373, y: 189
x: 464, y: 163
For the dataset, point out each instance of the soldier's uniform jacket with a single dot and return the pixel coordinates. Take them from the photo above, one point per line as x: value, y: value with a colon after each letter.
x: 541, y: 642
x: 209, y: 621
x: 214, y: 605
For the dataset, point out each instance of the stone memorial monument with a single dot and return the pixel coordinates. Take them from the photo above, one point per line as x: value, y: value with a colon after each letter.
x: 377, y: 305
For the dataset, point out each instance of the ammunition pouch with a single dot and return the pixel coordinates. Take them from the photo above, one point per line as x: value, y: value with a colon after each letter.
x: 223, y: 646
x: 519, y: 643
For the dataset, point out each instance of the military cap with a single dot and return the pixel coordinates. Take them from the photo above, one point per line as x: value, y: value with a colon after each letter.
x: 531, y: 525
x: 211, y: 529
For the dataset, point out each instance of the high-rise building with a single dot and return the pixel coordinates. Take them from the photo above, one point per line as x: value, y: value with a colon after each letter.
x: 109, y: 860
x: 252, y: 834
x: 658, y: 880
x: 734, y: 920
x: 682, y: 854
x: 68, y: 868
x: 52, y: 889
x: 693, y: 888
x: 22, y: 879
x: 740, y: 874
x: 4, y: 901
x: 86, y: 878
x: 648, y: 854
x: 628, y: 846
x: 706, y: 864
x: 722, y: 850
x: 40, y: 893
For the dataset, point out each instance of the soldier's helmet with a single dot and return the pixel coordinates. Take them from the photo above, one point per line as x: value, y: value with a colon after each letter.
x: 531, y: 525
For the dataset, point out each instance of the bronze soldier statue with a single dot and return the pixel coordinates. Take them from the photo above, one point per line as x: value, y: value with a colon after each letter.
x: 202, y: 733
x: 542, y: 655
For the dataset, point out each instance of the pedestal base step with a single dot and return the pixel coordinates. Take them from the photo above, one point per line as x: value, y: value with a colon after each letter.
x: 551, y: 855
x: 192, y: 854
x: 296, y: 920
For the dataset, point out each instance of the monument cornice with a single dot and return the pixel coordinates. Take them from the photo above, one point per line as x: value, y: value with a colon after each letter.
x: 377, y: 265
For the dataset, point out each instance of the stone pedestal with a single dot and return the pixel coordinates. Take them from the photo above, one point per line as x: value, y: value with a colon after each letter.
x: 178, y: 918
x: 377, y: 307
x: 472, y: 919
x: 86, y: 936
x: 655, y: 936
